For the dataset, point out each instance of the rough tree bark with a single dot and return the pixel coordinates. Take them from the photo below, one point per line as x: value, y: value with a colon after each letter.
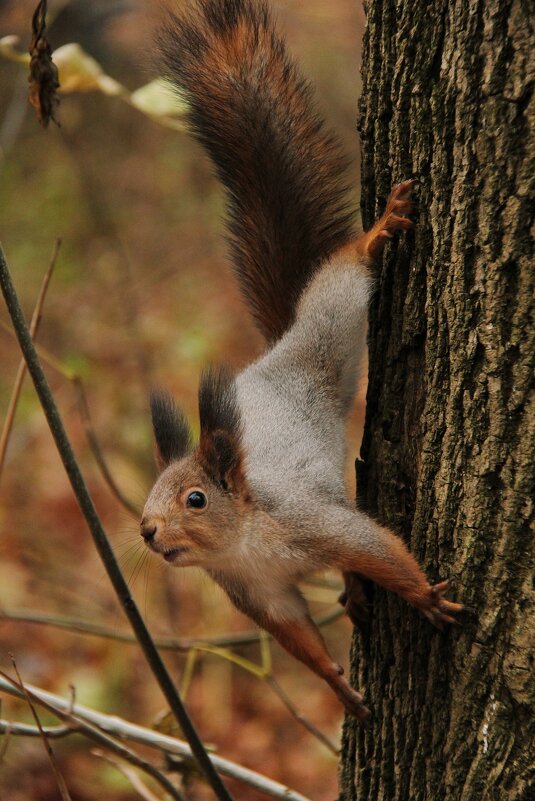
x: 447, y: 455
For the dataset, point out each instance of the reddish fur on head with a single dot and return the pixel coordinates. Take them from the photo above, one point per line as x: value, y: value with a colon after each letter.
x: 204, y: 534
x: 171, y: 525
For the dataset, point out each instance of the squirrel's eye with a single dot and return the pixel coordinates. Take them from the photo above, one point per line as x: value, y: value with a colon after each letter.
x: 196, y: 500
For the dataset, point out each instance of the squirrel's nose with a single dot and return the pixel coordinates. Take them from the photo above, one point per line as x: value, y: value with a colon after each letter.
x: 148, y: 531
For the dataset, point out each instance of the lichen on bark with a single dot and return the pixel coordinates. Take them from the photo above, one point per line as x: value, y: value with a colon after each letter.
x: 447, y: 455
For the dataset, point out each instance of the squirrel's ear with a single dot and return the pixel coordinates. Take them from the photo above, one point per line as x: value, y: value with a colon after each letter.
x: 220, y: 448
x: 171, y: 429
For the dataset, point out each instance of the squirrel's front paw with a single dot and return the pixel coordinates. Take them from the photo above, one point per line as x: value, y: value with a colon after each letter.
x: 437, y: 609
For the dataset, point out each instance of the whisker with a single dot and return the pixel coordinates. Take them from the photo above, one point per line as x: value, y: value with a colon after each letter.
x: 148, y: 568
x: 126, y: 546
x: 128, y: 558
x: 137, y: 569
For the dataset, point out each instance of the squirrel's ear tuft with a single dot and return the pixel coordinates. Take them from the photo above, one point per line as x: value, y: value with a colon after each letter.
x: 220, y: 446
x: 171, y: 429
x: 218, y: 402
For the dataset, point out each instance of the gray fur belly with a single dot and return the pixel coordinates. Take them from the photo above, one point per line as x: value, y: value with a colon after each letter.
x: 291, y: 446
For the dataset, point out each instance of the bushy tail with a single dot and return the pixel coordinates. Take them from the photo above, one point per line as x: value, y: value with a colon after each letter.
x: 282, y: 170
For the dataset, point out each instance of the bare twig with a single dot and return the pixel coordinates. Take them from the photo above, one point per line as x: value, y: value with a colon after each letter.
x: 304, y: 721
x: 44, y: 355
x: 192, y: 647
x: 21, y: 372
x: 99, y: 536
x: 129, y: 774
x: 262, y: 672
x: 7, y: 730
x: 83, y: 405
x: 74, y: 378
x: 63, y: 789
x: 184, y: 644
x: 118, y: 727
x: 81, y: 726
x: 25, y: 730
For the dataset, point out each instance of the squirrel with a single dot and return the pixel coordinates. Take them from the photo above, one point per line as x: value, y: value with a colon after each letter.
x: 260, y: 501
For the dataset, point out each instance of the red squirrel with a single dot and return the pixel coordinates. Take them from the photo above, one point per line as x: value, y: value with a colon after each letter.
x: 260, y: 501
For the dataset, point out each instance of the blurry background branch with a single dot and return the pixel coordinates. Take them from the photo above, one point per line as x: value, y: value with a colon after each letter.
x: 80, y: 72
x: 21, y: 372
x: 99, y: 536
x: 79, y: 626
x: 83, y: 405
x: 62, y: 786
x: 123, y: 729
x: 216, y: 646
x: 94, y: 733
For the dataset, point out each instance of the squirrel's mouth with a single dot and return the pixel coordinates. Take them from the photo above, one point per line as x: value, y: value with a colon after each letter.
x: 174, y: 553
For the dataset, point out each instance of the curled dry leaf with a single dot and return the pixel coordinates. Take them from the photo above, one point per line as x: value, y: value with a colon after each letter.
x: 43, y: 78
x: 79, y: 72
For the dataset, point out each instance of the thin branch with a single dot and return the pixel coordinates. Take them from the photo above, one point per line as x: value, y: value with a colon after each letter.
x: 118, y: 727
x: 96, y: 735
x: 192, y: 647
x: 265, y: 652
x: 86, y: 627
x: 99, y: 536
x: 25, y: 730
x: 98, y: 454
x: 70, y: 375
x: 44, y: 355
x: 293, y: 710
x: 262, y: 672
x: 21, y: 372
x: 129, y: 774
x: 7, y: 730
x: 62, y: 787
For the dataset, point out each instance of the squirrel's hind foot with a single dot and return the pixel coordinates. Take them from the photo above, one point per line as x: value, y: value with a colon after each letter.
x: 399, y: 203
x: 439, y: 610
x: 351, y: 699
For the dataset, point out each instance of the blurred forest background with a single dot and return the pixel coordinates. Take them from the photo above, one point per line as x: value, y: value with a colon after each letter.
x: 142, y: 295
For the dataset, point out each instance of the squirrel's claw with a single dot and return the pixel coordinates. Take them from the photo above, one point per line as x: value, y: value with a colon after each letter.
x: 399, y: 203
x: 352, y: 701
x: 439, y: 610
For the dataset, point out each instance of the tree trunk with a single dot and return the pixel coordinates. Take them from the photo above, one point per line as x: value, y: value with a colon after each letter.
x: 447, y: 455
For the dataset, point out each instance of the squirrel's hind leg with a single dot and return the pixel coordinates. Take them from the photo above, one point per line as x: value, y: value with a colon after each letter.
x: 300, y: 636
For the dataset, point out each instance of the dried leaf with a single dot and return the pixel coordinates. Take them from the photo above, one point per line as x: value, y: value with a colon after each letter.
x: 8, y: 50
x: 79, y: 72
x: 159, y: 98
x: 43, y: 78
